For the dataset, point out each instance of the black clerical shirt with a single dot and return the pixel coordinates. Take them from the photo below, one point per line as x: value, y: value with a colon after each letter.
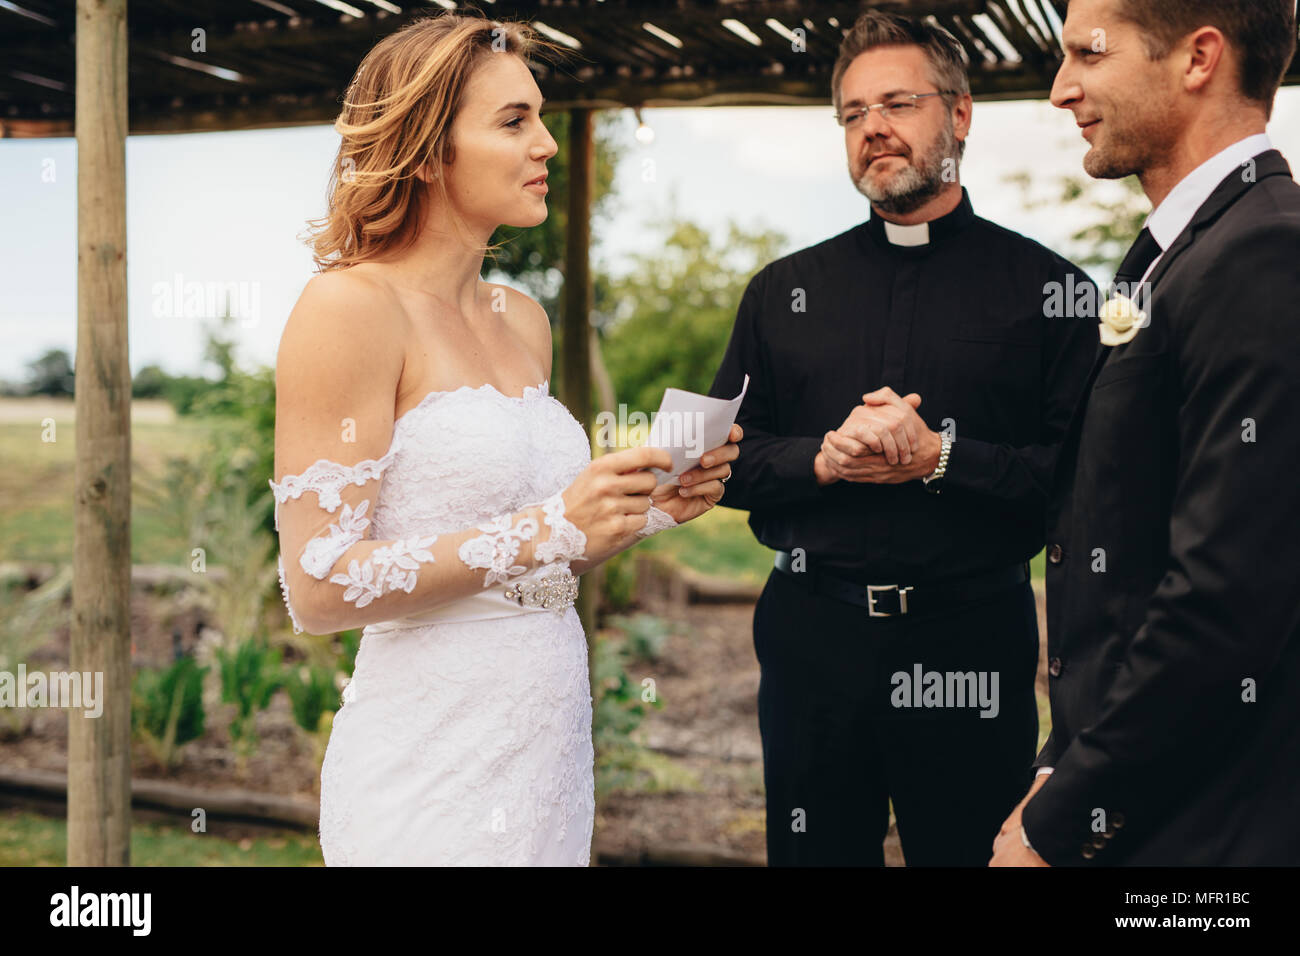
x: 971, y: 321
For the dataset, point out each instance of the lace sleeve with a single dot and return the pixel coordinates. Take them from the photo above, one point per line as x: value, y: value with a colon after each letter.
x: 338, y: 577
x: 656, y: 520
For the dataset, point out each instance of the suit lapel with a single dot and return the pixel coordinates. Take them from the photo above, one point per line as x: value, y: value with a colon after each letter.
x: 1270, y: 163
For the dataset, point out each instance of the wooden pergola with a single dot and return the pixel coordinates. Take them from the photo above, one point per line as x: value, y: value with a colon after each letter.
x: 245, y: 64
x: 84, y: 69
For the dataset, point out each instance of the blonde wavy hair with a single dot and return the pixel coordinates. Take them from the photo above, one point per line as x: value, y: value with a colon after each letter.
x: 397, y: 116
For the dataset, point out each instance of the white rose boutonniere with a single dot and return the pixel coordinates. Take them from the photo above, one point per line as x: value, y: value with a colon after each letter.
x: 1120, y: 320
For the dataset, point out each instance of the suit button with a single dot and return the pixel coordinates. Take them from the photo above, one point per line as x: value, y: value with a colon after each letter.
x: 1054, y: 554
x: 1099, y: 841
x: 1054, y: 667
x: 1088, y: 851
x: 1117, y: 820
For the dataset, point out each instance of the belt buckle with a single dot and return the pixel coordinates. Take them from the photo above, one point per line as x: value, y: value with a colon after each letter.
x: 871, y: 599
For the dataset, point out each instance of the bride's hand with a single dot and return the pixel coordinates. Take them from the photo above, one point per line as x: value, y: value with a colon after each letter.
x: 703, y: 484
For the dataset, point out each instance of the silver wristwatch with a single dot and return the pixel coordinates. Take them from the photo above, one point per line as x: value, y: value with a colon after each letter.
x: 933, y: 482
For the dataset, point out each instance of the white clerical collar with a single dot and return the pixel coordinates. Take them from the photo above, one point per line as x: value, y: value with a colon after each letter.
x: 918, y: 235
x: 1174, y: 215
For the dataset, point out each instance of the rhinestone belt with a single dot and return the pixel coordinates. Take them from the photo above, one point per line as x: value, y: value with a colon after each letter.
x: 555, y: 591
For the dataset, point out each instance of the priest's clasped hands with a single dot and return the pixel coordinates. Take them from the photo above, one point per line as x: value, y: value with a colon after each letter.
x: 883, y: 441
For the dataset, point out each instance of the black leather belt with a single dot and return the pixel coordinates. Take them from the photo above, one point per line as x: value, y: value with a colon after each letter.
x: 890, y: 600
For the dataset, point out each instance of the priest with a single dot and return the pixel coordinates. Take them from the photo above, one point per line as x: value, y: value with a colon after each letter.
x: 910, y: 384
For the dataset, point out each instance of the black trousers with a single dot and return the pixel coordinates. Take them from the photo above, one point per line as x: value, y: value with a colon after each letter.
x: 844, y: 731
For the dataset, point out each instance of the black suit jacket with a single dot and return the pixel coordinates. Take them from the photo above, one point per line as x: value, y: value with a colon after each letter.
x: 1173, y: 575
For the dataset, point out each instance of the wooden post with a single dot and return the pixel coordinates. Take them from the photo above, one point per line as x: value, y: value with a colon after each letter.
x: 576, y: 359
x: 99, y: 748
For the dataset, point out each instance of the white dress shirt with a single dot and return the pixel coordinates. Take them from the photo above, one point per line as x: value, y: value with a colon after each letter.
x: 1172, y: 216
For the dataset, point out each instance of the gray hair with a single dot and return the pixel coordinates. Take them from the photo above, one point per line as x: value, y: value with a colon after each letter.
x: 876, y: 29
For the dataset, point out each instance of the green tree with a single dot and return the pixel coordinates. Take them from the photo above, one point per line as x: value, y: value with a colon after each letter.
x: 51, y: 374
x: 671, y: 316
x: 1118, y: 220
x: 245, y: 401
x: 150, y: 382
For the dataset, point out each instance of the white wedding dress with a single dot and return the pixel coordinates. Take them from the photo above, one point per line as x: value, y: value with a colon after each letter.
x: 465, y: 734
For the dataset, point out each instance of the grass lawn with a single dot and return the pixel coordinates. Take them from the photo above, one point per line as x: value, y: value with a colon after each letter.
x: 31, y: 839
x: 718, y: 542
x: 36, y: 486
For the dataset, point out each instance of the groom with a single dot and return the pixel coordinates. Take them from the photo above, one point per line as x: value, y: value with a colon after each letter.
x: 1173, y: 606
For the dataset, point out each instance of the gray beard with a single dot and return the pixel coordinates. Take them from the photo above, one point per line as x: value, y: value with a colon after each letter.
x: 916, y: 185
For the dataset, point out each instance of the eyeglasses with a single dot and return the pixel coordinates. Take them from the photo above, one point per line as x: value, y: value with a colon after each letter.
x: 902, y: 108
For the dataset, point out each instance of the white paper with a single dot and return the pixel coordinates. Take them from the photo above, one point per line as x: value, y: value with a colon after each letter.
x: 688, y: 424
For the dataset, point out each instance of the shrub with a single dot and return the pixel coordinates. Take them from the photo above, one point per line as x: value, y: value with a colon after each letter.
x: 311, y: 694
x: 617, y: 713
x: 250, y: 676
x: 167, y: 708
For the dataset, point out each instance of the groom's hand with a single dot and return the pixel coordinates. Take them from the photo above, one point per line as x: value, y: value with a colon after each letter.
x: 1012, y: 822
x: 883, y: 441
x: 1008, y: 848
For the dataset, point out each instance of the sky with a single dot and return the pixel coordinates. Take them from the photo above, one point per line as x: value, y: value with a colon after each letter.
x: 228, y: 208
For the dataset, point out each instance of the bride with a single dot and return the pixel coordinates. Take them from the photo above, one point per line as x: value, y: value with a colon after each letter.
x: 431, y: 490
